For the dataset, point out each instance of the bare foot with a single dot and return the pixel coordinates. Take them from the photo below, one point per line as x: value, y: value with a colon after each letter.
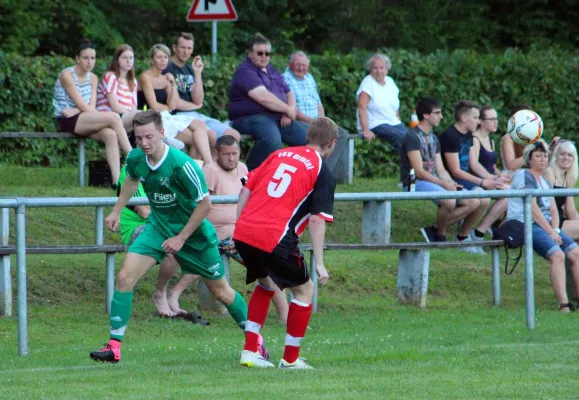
x: 173, y: 304
x: 160, y: 300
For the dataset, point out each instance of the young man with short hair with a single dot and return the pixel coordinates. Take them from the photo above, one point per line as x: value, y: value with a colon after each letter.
x: 188, y: 78
x: 291, y: 188
x: 420, y: 150
x: 179, y: 203
x: 456, y: 142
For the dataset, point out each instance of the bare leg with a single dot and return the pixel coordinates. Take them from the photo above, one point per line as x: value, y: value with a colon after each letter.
x: 495, y: 212
x: 90, y: 122
x: 128, y: 120
x: 234, y: 133
x: 167, y: 270
x: 471, y: 218
x: 134, y: 267
x: 173, y: 296
x: 212, y: 137
x: 196, y: 136
x: 109, y: 138
x: 571, y: 228
x: 464, y: 208
x: 280, y: 303
x: 573, y: 257
x: 557, y: 274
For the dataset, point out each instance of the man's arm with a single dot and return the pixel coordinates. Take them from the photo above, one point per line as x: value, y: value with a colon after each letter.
x: 457, y: 173
x: 416, y: 162
x: 197, y: 93
x: 317, y: 228
x: 243, y: 198
x: 267, y: 99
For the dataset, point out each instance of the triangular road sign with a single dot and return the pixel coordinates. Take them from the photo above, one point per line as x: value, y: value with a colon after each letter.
x: 211, y: 10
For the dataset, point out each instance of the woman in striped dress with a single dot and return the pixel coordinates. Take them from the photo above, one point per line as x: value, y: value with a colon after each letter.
x: 75, y: 108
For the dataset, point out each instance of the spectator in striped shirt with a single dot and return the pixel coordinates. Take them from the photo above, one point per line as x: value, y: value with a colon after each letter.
x: 304, y: 87
x: 117, y: 90
x: 75, y: 108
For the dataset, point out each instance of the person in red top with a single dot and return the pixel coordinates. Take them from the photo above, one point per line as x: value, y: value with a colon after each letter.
x: 292, y: 188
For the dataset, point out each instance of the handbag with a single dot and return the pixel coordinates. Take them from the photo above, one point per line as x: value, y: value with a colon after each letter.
x: 512, y: 233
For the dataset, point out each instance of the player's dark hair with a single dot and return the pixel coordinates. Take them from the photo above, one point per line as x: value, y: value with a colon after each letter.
x: 258, y: 39
x: 322, y: 131
x: 85, y: 44
x: 146, y: 117
x: 184, y: 35
x: 462, y: 107
x: 225, y: 140
x: 425, y: 106
x: 518, y: 107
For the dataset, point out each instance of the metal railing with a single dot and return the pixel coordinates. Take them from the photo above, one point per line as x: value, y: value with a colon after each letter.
x: 372, y: 202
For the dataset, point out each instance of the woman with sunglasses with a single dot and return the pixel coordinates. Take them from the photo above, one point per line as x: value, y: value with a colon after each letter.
x: 159, y: 92
x: 74, y: 104
x: 562, y: 173
x: 548, y: 240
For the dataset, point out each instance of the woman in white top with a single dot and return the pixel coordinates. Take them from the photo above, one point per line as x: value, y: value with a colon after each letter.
x: 117, y: 90
x: 561, y: 174
x: 74, y: 108
x: 159, y: 92
x: 378, y: 103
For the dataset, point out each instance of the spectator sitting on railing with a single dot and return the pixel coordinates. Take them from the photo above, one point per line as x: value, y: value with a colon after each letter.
x: 548, y: 240
x: 562, y: 173
x: 511, y: 152
x: 420, y: 150
x: 74, y: 108
x: 378, y: 103
x: 303, y: 86
x: 159, y: 92
x: 132, y: 223
x: 117, y: 90
x: 456, y: 142
x: 223, y: 178
x: 262, y: 105
x: 190, y: 87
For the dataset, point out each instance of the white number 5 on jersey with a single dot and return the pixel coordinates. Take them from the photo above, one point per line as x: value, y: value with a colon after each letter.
x: 281, y: 180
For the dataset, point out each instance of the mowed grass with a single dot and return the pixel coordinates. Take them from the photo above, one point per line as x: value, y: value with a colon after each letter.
x: 362, y: 343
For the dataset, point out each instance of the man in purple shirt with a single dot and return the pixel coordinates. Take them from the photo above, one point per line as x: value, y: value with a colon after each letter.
x: 262, y: 105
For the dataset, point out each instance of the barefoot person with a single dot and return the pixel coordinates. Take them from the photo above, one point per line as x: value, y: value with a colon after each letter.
x: 179, y: 203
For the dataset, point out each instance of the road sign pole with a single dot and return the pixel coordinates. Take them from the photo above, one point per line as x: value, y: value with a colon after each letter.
x: 214, y: 40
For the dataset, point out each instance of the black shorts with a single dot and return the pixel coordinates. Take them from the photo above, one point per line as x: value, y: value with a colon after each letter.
x: 287, y: 272
x: 67, y: 124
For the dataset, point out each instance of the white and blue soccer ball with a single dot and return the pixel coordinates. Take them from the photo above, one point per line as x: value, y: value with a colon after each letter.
x: 525, y: 127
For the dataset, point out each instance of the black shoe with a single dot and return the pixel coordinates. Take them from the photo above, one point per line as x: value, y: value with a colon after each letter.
x: 429, y: 233
x: 439, y: 238
x: 106, y: 354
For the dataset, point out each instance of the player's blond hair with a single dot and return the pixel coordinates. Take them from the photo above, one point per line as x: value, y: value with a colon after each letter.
x: 322, y: 131
x: 146, y: 117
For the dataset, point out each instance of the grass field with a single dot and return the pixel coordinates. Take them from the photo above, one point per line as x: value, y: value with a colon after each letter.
x: 362, y: 343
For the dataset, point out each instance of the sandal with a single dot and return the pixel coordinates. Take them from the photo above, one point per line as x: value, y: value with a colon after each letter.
x: 196, y: 318
x: 570, y: 306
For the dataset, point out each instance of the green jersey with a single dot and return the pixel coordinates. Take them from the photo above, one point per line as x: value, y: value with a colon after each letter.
x: 174, y: 186
x: 130, y: 219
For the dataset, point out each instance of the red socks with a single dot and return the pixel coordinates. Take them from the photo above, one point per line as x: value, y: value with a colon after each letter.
x: 256, y: 313
x: 297, y: 322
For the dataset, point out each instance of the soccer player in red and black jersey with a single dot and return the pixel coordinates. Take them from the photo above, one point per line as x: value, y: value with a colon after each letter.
x: 292, y: 187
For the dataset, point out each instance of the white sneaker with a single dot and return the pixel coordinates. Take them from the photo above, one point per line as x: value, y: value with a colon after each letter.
x: 254, y: 360
x: 469, y: 249
x: 475, y: 238
x: 300, y: 363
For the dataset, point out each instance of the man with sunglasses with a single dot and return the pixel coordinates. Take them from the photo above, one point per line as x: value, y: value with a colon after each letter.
x: 262, y: 105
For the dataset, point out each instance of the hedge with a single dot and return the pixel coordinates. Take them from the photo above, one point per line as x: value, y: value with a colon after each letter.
x: 544, y: 79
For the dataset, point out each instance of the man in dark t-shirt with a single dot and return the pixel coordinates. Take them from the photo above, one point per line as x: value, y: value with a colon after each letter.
x: 190, y: 87
x: 456, y: 142
x: 420, y: 150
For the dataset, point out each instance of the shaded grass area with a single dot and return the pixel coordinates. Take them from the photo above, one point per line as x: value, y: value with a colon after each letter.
x: 361, y: 341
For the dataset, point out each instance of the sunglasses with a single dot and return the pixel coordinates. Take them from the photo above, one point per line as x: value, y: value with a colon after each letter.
x: 263, y: 53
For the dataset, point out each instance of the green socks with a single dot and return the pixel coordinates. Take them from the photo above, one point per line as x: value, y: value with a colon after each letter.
x: 238, y: 310
x: 121, y: 307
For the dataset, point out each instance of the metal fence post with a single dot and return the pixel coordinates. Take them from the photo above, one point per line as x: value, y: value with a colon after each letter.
x: 99, y: 225
x: 21, y: 262
x: 376, y: 220
x: 529, y: 270
x: 81, y: 162
x: 110, y: 257
x: 496, y: 276
x: 5, y: 276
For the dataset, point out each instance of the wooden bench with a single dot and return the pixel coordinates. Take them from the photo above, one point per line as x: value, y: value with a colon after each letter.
x: 344, y: 171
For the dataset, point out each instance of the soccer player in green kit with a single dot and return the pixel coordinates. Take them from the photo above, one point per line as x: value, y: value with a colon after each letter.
x: 179, y: 202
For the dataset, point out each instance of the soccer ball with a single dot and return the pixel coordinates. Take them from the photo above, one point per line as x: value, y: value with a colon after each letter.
x: 525, y: 127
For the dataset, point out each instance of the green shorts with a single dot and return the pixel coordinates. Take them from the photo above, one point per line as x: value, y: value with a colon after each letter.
x: 206, y: 262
